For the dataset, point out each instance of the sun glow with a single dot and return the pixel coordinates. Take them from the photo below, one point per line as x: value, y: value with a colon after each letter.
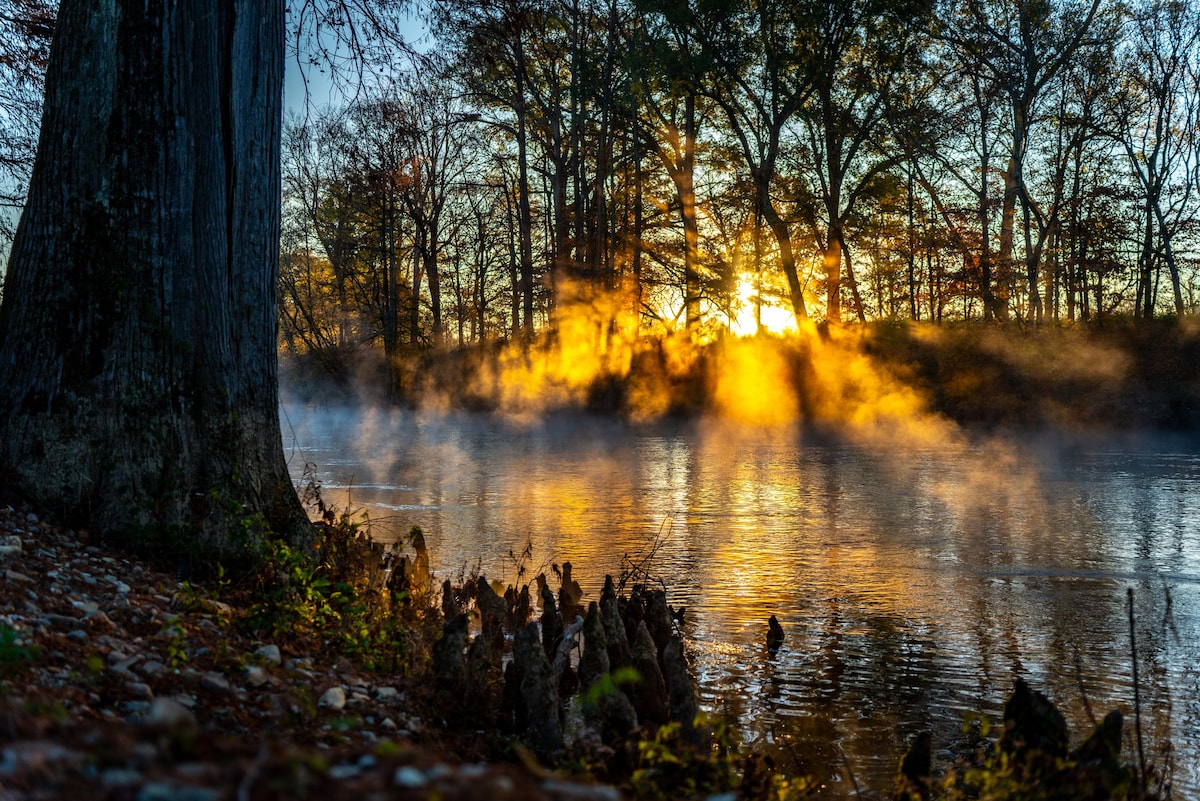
x: 756, y: 311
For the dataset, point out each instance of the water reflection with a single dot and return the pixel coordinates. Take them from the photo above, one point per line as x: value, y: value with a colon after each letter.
x: 914, y: 586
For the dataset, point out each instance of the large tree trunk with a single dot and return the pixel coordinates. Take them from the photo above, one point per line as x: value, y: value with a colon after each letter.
x: 138, y: 390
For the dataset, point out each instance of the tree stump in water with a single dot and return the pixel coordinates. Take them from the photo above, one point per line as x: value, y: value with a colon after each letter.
x: 449, y: 667
x: 619, y: 652
x: 1033, y: 724
x: 650, y: 693
x: 540, y: 695
x: 681, y: 695
x: 569, y: 596
x: 658, y: 620
x: 552, y: 624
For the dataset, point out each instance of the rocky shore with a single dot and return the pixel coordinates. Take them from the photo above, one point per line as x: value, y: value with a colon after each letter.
x: 120, y: 682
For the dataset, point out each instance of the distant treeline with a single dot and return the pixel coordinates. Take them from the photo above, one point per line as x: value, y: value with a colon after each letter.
x: 715, y: 165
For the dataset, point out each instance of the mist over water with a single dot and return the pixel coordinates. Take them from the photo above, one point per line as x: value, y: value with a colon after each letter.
x: 916, y: 577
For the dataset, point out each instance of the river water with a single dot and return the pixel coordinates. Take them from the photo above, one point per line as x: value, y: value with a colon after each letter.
x: 914, y: 583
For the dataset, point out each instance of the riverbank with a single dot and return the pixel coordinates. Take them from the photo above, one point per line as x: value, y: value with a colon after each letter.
x: 119, y: 682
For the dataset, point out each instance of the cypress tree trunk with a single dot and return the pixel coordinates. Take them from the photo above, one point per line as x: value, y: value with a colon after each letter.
x: 138, y: 390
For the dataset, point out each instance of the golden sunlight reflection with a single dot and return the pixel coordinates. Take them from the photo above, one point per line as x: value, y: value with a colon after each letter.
x: 914, y: 581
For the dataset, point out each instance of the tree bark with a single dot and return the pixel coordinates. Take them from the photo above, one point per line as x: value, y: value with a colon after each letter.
x: 138, y: 379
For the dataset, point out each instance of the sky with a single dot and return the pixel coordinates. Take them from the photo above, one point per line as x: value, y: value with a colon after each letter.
x: 320, y: 87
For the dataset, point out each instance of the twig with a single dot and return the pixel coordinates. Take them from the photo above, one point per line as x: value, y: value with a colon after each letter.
x: 639, y: 569
x: 849, y: 769
x: 1087, y: 703
x: 1137, y: 699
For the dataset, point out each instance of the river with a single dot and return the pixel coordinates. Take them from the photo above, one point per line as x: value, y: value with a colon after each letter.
x: 914, y: 583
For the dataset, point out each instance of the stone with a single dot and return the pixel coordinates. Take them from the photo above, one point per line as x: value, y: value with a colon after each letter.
x: 153, y: 669
x: 120, y: 777
x: 163, y: 791
x: 214, y: 682
x: 139, y: 689
x: 574, y: 791
x: 122, y: 666
x: 169, y: 714
x: 270, y: 654
x: 39, y: 755
x: 408, y: 777
x: 384, y: 693
x: 334, y: 698
x: 63, y: 621
x: 256, y: 676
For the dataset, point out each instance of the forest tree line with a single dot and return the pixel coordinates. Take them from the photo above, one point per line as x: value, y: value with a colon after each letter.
x: 695, y: 162
x: 974, y: 159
